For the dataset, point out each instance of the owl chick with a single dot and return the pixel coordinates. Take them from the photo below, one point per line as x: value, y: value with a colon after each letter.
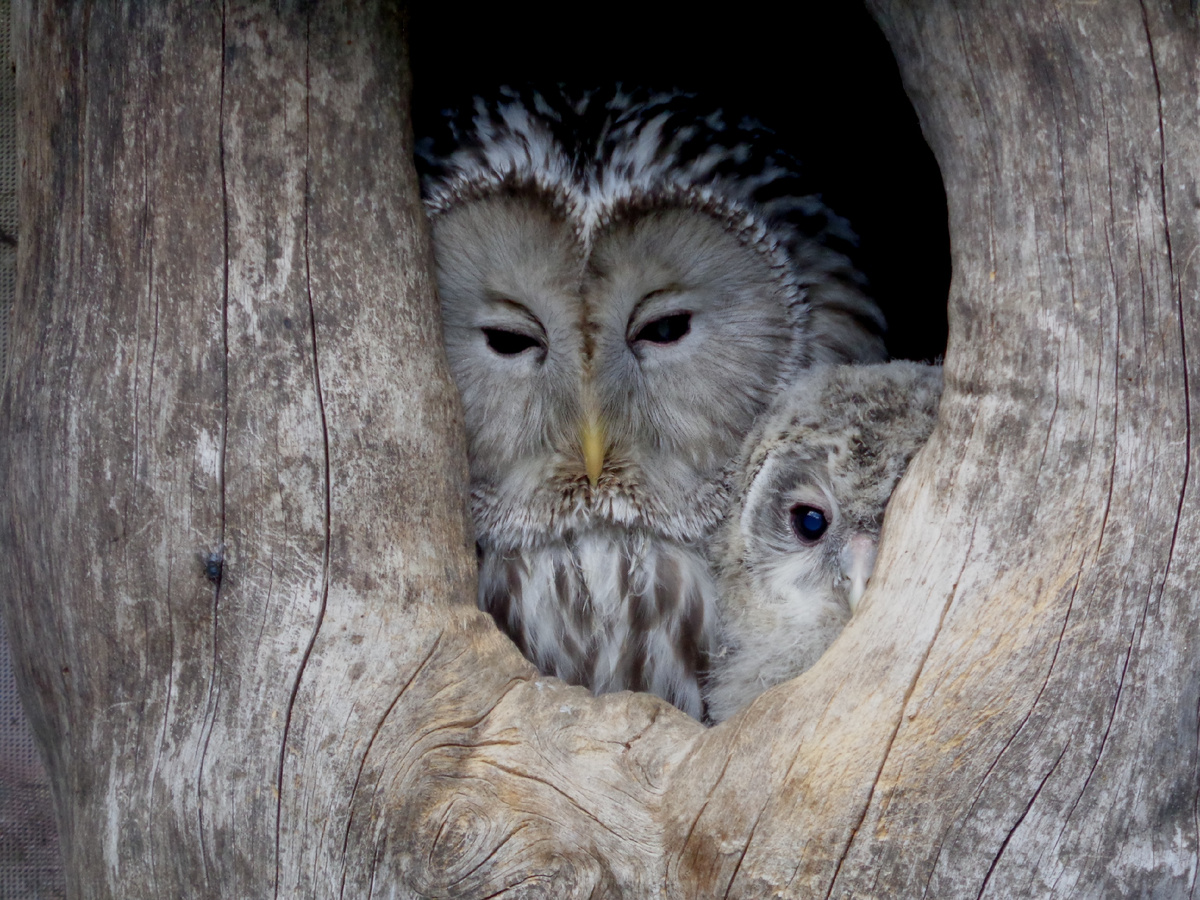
x: 626, y: 280
x: 806, y: 504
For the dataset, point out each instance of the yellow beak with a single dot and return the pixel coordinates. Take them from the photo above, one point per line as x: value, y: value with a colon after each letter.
x: 591, y: 439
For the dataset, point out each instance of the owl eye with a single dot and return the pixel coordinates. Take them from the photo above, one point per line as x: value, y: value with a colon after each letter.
x: 509, y: 343
x: 808, y: 522
x: 666, y: 330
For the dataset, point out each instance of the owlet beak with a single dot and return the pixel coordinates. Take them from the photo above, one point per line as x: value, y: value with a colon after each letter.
x: 592, y: 440
x: 857, y: 561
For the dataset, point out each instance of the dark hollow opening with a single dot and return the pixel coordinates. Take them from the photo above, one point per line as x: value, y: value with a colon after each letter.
x: 822, y: 76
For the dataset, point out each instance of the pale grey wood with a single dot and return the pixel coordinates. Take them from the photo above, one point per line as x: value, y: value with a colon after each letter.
x: 1049, y: 747
x: 226, y: 337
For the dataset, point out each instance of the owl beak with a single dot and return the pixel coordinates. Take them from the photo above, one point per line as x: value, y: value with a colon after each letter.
x: 592, y: 439
x: 857, y: 561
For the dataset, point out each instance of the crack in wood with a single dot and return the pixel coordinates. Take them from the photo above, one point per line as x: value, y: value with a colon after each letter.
x: 575, y: 804
x: 328, y: 499
x: 983, y: 781
x: 1176, y: 287
x: 720, y: 777
x: 1108, y: 727
x: 1176, y: 283
x: 375, y: 857
x: 213, y: 690
x: 504, y: 891
x: 737, y: 867
x: 367, y: 752
x: 1017, y: 824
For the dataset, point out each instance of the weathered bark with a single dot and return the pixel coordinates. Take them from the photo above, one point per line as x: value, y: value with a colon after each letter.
x: 226, y: 342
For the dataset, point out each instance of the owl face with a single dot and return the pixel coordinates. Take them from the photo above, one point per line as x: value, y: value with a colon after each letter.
x: 807, y: 504
x: 611, y: 377
x: 794, y: 529
x: 811, y: 524
x: 817, y: 475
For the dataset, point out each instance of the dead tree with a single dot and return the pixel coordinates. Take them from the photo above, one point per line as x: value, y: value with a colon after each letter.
x: 239, y: 577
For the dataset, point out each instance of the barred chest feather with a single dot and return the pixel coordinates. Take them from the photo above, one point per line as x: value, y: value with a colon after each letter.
x: 607, y: 608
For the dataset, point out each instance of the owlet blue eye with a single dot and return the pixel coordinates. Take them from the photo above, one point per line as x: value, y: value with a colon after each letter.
x: 808, y: 522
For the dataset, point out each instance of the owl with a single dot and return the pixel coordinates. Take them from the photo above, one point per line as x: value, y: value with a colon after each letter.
x: 627, y: 279
x: 806, y: 502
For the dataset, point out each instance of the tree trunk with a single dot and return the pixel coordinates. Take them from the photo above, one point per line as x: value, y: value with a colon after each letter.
x: 240, y: 567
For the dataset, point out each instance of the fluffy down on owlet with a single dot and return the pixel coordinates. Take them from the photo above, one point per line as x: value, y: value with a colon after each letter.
x: 626, y: 279
x: 807, y: 498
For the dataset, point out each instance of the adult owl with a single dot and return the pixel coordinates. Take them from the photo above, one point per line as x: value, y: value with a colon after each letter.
x: 627, y: 279
x: 806, y: 505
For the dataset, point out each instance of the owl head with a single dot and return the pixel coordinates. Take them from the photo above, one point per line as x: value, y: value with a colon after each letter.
x: 627, y: 279
x: 807, y: 500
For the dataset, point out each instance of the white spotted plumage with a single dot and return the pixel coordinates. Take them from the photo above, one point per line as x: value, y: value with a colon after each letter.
x: 833, y: 447
x: 627, y: 280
